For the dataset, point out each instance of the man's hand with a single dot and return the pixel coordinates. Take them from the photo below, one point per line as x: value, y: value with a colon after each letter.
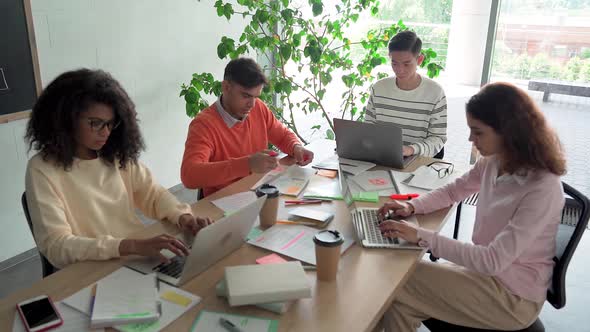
x: 193, y: 225
x: 401, y: 229
x: 408, y: 151
x: 262, y: 162
x: 152, y: 247
x: 302, y: 155
x: 398, y: 208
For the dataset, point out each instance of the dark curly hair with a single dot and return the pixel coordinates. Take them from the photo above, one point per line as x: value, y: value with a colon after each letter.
x: 528, y: 141
x: 54, y: 119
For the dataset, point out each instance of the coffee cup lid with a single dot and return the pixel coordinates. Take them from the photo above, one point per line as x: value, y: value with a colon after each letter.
x: 328, y: 238
x: 269, y: 190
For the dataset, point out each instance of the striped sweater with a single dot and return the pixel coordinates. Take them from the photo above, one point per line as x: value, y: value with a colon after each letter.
x: 420, y: 113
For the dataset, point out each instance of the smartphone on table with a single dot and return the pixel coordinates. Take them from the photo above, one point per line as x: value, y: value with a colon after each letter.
x: 39, y: 314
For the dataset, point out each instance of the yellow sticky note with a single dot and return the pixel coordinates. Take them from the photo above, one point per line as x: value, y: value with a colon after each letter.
x: 176, y: 298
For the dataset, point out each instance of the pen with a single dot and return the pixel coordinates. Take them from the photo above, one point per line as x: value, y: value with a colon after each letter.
x: 231, y: 327
x: 302, y: 202
x: 92, y: 298
x: 403, y: 196
x: 309, y: 267
x: 290, y: 222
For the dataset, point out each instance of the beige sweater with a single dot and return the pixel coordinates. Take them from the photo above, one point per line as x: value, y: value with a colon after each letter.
x: 84, y: 213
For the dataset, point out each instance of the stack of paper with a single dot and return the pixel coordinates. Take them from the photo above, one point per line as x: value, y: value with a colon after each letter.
x: 125, y: 299
x: 276, y: 307
x: 253, y: 284
x: 294, y: 180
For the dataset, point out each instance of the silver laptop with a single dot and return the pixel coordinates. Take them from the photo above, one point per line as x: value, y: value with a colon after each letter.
x: 375, y: 142
x: 365, y: 222
x: 210, y: 245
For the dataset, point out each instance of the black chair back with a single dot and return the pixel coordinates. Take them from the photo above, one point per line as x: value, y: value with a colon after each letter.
x: 47, y: 268
x: 574, y: 220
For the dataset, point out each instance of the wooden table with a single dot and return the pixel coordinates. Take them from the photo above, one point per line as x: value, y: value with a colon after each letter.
x: 366, y: 284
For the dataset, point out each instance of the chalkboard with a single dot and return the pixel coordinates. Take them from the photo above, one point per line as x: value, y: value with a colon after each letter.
x: 19, y: 69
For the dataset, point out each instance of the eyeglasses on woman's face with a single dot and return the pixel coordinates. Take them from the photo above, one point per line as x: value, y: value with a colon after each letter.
x: 97, y: 124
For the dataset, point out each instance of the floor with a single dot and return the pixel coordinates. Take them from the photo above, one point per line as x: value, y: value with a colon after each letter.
x: 570, y: 116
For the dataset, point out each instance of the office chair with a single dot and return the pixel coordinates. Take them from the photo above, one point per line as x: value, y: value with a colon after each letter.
x: 574, y: 220
x: 47, y: 268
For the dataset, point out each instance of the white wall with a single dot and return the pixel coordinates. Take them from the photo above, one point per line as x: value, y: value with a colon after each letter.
x: 150, y: 46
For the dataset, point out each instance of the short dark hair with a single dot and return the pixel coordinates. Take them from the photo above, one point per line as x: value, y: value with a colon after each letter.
x: 245, y: 72
x: 527, y: 139
x: 406, y: 40
x: 54, y: 119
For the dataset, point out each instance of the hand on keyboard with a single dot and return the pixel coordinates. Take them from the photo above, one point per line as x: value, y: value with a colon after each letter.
x: 152, y: 247
x: 395, y: 208
x: 401, y: 229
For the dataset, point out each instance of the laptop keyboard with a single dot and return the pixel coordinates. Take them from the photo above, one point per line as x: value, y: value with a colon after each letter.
x: 374, y: 236
x: 174, y: 268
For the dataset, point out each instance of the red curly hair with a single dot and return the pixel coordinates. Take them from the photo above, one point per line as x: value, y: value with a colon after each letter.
x: 528, y: 142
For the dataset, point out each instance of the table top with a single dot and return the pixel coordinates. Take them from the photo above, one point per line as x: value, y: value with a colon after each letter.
x: 366, y: 284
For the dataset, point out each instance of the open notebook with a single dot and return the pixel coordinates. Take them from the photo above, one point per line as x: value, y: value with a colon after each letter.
x: 124, y: 299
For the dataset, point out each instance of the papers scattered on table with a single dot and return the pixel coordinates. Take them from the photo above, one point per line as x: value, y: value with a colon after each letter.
x: 174, y: 302
x: 355, y: 167
x: 427, y: 178
x: 374, y: 180
x: 208, y: 321
x: 295, y: 241
x: 232, y: 203
x: 74, y: 320
x: 293, y: 180
x: 330, y: 163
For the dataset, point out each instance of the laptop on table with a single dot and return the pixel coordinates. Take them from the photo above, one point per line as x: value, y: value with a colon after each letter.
x: 365, y: 222
x: 375, y: 142
x: 210, y: 245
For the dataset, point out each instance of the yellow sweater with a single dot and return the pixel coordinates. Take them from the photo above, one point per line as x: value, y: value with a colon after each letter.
x: 84, y: 213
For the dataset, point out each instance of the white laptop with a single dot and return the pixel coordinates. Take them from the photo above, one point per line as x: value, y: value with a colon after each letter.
x: 365, y: 222
x: 210, y: 245
x: 379, y: 143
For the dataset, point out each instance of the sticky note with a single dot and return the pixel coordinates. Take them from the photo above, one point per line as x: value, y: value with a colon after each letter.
x: 175, y: 298
x: 270, y: 259
x: 327, y: 173
x: 367, y: 196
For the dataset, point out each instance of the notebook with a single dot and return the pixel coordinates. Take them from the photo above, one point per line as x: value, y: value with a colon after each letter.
x: 253, y: 284
x: 125, y: 299
x: 276, y: 307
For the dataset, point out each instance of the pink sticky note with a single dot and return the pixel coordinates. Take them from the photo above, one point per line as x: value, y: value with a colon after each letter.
x: 273, y: 153
x: 270, y: 259
x: 378, y: 181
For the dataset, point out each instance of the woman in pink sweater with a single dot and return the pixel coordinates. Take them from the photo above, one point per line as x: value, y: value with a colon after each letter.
x: 500, y: 280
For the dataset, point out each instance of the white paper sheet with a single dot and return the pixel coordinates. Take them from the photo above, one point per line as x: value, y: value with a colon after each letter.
x: 208, y: 321
x: 295, y: 241
x: 355, y: 167
x: 235, y: 202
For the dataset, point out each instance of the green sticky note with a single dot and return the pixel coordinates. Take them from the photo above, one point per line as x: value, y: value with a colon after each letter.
x: 254, y: 233
x: 140, y: 327
x: 137, y: 314
x: 367, y: 196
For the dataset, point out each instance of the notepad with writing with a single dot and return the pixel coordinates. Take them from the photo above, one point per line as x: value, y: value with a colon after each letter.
x: 253, y: 284
x: 128, y: 298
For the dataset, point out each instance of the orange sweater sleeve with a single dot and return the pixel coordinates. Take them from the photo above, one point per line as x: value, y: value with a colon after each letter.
x: 278, y: 134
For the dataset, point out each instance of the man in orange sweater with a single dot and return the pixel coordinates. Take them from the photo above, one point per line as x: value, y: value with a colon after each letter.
x: 228, y: 140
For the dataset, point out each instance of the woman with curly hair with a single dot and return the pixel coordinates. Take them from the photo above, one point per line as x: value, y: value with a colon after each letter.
x: 500, y: 280
x: 86, y: 180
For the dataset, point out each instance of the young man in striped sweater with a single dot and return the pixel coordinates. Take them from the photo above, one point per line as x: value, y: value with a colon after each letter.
x: 415, y: 103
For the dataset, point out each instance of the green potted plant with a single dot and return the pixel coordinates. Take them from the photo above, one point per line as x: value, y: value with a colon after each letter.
x: 304, y: 57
